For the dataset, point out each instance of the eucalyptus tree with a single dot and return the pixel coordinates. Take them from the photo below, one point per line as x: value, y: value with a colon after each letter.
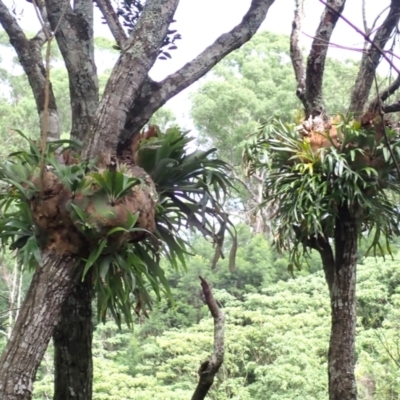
x: 106, y: 126
x: 330, y: 177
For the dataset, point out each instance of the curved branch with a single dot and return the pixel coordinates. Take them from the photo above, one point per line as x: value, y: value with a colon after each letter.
x: 208, y: 369
x: 112, y: 21
x: 317, y: 57
x: 154, y: 95
x: 75, y: 40
x: 30, y: 58
x: 372, y: 57
x: 296, y: 54
x: 391, y: 108
x: 384, y: 95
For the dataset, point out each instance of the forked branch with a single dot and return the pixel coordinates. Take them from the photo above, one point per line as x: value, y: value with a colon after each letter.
x: 154, y: 95
x: 209, y: 368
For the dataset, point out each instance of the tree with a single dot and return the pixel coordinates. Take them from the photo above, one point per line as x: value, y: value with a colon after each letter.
x: 329, y: 178
x: 255, y: 81
x: 107, y: 128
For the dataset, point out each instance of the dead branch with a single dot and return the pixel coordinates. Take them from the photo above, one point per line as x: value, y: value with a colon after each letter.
x: 209, y: 368
x: 112, y: 21
x: 296, y: 53
x: 154, y: 95
x: 371, y: 59
x: 316, y: 59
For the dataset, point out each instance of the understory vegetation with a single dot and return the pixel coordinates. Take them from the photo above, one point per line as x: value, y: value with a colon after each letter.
x: 277, y: 332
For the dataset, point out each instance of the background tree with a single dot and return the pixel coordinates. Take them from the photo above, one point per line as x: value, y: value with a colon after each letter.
x: 129, y: 99
x: 319, y: 179
x: 248, y: 85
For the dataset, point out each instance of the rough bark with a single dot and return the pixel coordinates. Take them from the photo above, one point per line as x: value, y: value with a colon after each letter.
x: 112, y: 20
x: 29, y: 55
x: 296, y: 54
x: 72, y: 339
x: 209, y: 368
x: 138, y: 56
x: 40, y: 311
x: 125, y: 95
x: 371, y: 59
x: 341, y: 358
x: 75, y: 39
x: 316, y: 59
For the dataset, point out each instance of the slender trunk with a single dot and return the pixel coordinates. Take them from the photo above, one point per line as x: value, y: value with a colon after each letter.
x: 72, y: 337
x: 40, y: 311
x: 342, y: 382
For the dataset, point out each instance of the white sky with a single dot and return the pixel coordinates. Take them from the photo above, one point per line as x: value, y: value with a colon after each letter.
x: 201, y: 21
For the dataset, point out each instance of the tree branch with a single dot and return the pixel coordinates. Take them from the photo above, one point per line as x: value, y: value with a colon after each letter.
x: 383, y: 95
x: 124, y: 85
x: 317, y: 57
x: 391, y: 108
x: 112, y: 21
x: 372, y: 57
x: 208, y: 369
x: 154, y: 95
x: 75, y: 40
x: 30, y: 57
x: 296, y: 53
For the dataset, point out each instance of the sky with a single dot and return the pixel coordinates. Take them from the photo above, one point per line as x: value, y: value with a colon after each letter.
x: 200, y: 22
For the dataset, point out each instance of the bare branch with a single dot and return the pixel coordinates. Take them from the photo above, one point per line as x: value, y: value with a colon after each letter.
x: 373, y: 57
x: 30, y: 57
x: 112, y: 21
x: 154, y: 95
x: 124, y: 85
x: 296, y: 53
x: 383, y: 95
x: 75, y: 40
x: 208, y: 369
x: 317, y: 57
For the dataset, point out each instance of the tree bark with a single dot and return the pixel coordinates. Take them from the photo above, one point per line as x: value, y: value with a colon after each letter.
x: 341, y: 358
x: 372, y: 58
x: 72, y: 336
x: 40, y: 311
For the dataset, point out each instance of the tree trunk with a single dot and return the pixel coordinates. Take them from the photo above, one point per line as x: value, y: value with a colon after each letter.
x: 73, y: 370
x: 40, y: 311
x: 342, y: 383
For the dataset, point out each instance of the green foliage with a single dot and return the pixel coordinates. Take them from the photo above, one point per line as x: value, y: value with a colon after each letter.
x: 191, y: 189
x: 310, y: 186
x: 191, y: 186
